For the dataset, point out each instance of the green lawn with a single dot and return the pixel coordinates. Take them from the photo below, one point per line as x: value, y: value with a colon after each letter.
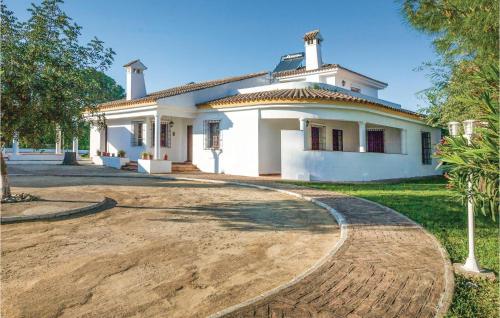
x: 428, y: 202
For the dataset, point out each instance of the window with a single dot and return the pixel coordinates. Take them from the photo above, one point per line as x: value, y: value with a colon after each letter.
x: 355, y: 89
x: 375, y: 140
x: 136, y: 140
x: 317, y: 138
x: 212, y: 134
x: 165, y: 135
x: 337, y: 140
x: 426, y: 148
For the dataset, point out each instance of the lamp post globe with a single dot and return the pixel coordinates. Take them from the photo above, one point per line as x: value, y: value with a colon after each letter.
x: 454, y: 128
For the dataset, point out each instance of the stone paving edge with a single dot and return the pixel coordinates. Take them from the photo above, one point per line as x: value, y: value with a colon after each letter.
x: 51, y: 216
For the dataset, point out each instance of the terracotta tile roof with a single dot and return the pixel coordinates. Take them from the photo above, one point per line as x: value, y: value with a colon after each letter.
x: 299, y: 95
x: 311, y: 35
x: 153, y: 97
x: 324, y: 67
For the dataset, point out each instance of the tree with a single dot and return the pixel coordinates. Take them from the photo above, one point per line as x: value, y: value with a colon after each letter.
x: 477, y: 161
x: 48, y: 78
x: 110, y: 91
x: 465, y: 35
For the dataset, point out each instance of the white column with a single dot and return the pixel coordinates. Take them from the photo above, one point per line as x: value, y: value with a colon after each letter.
x: 58, y: 141
x: 403, y: 141
x: 303, y: 126
x: 148, y: 134
x: 15, y: 144
x: 362, y: 136
x: 157, y: 152
x: 75, y: 145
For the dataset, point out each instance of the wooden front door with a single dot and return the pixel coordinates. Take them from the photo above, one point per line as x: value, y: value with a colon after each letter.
x: 315, y: 138
x: 189, y: 143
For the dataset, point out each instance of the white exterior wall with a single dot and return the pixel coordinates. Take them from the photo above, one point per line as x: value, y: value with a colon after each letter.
x: 239, y: 153
x: 96, y: 141
x: 365, y: 89
x: 270, y: 143
x: 119, y: 135
x: 298, y: 164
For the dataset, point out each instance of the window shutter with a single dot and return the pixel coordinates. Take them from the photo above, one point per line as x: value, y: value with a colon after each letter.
x: 133, y: 135
x: 152, y: 133
x: 205, y: 133
x: 337, y: 140
x: 137, y: 133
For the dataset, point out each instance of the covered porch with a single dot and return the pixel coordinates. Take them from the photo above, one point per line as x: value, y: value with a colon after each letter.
x: 349, y: 136
x: 158, y: 134
x: 282, y: 141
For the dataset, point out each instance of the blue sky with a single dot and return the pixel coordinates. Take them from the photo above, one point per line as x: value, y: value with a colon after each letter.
x: 196, y: 40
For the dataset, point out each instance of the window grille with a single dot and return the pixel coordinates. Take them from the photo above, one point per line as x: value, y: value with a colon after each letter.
x: 165, y: 135
x: 212, y: 134
x: 375, y: 140
x: 337, y: 140
x: 426, y: 148
x: 137, y: 133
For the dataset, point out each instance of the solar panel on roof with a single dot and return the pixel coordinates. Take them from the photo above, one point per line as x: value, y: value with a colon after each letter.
x: 289, y: 62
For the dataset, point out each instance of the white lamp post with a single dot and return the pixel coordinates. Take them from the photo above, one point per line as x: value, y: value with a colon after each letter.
x: 470, y: 263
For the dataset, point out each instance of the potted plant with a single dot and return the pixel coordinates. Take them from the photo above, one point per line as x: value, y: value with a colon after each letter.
x: 121, y: 153
x: 98, y: 153
x: 147, y: 165
x: 113, y: 154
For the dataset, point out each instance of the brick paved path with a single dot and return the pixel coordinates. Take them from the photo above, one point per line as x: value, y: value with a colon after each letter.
x: 387, y: 267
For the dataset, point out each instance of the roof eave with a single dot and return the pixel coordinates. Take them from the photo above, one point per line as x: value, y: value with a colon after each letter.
x: 257, y: 102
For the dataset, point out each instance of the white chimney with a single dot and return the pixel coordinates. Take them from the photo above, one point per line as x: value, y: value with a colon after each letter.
x: 136, y: 87
x: 312, y: 43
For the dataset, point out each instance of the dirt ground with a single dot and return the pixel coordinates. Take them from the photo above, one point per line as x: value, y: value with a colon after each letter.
x: 169, y: 248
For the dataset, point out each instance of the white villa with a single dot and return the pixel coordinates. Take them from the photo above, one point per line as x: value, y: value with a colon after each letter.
x: 306, y: 120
